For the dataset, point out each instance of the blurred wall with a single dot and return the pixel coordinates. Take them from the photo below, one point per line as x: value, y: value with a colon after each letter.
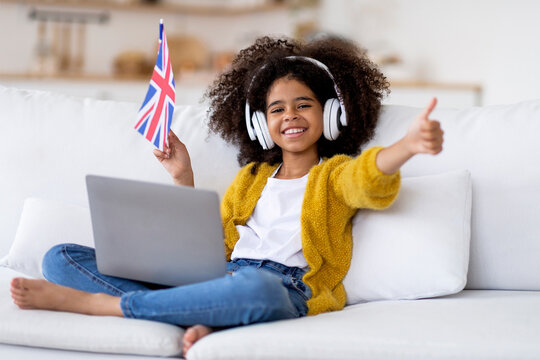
x: 490, y: 42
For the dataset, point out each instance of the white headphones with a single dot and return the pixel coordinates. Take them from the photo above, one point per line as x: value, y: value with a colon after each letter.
x: 334, y: 113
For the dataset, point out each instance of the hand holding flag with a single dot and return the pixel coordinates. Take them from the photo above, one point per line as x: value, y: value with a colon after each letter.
x: 156, y: 112
x: 175, y: 159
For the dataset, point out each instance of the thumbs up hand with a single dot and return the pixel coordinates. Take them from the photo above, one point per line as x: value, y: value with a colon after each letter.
x: 425, y: 136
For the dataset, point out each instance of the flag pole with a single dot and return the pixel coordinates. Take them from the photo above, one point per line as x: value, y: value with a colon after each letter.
x: 156, y: 113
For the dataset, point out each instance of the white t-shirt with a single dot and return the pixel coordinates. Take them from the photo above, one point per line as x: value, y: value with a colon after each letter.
x: 273, y: 230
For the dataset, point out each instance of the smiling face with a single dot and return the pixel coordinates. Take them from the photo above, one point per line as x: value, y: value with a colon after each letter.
x: 294, y: 116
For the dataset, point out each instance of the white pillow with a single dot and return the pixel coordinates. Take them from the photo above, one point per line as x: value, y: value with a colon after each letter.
x: 417, y: 248
x: 43, y: 224
x: 62, y: 330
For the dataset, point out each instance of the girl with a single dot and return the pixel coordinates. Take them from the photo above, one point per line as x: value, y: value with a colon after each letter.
x: 297, y: 113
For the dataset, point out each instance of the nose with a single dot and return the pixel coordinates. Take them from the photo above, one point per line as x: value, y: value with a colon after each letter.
x: 290, y: 114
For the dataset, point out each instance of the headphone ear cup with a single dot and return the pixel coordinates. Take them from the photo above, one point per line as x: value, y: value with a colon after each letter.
x: 331, y: 117
x: 261, y: 129
x: 249, y: 125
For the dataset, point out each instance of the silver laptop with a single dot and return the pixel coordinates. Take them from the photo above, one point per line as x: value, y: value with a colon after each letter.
x: 162, y: 234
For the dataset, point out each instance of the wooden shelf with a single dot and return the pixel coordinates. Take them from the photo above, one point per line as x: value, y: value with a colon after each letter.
x: 187, y: 79
x: 138, y: 6
x: 204, y: 77
x: 73, y: 77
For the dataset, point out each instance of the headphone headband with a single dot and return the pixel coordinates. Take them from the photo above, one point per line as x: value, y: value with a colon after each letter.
x: 307, y: 59
x: 325, y: 68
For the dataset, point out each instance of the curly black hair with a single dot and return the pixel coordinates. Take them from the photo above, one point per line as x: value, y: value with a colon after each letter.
x: 255, y: 69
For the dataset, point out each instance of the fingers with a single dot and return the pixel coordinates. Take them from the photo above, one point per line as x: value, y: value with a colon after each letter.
x: 427, y: 111
x: 433, y: 148
x: 162, y: 155
x: 174, y: 145
x: 172, y: 135
x: 430, y: 126
x: 432, y: 138
x: 173, y: 139
x: 431, y: 133
x: 166, y: 154
x: 425, y: 135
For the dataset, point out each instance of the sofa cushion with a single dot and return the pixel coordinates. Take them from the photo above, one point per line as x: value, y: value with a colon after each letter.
x: 498, y: 145
x: 469, y: 325
x: 104, y: 334
x: 417, y: 248
x: 43, y: 224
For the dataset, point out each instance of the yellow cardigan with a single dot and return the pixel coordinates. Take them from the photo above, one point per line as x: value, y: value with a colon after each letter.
x: 336, y: 188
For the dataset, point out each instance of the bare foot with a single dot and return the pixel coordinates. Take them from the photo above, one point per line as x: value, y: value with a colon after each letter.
x: 192, y: 335
x: 42, y: 294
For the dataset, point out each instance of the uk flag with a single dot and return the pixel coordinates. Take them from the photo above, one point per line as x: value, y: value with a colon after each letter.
x: 156, y: 112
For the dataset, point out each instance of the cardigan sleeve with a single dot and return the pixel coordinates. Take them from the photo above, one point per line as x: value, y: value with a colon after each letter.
x: 360, y: 183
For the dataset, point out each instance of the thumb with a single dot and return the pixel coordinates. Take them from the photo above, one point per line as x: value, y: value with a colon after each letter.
x: 173, y: 137
x: 427, y: 111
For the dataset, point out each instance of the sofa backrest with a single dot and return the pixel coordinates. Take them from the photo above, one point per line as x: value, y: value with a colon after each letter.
x: 51, y: 141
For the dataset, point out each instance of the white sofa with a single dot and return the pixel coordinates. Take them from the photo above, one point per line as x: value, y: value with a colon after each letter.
x: 50, y: 142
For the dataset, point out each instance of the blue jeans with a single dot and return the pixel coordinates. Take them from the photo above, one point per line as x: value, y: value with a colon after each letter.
x: 254, y: 291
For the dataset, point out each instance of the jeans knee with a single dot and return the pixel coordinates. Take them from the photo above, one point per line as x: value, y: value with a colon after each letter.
x: 267, y: 295
x: 52, y: 261
x: 270, y: 287
x: 259, y: 283
x: 56, y: 261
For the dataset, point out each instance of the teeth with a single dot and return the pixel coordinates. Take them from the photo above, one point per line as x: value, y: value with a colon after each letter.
x: 294, y: 131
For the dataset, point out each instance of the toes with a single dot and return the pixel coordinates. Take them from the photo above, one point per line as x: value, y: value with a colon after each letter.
x: 17, y: 298
x: 24, y: 306
x: 24, y: 284
x: 190, y: 337
x: 185, y: 347
x: 19, y: 293
x: 21, y: 284
x: 21, y: 303
x: 194, y: 334
x: 16, y: 283
x: 16, y: 291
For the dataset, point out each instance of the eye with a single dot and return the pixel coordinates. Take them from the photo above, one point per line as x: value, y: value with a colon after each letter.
x: 276, y: 110
x: 302, y: 106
